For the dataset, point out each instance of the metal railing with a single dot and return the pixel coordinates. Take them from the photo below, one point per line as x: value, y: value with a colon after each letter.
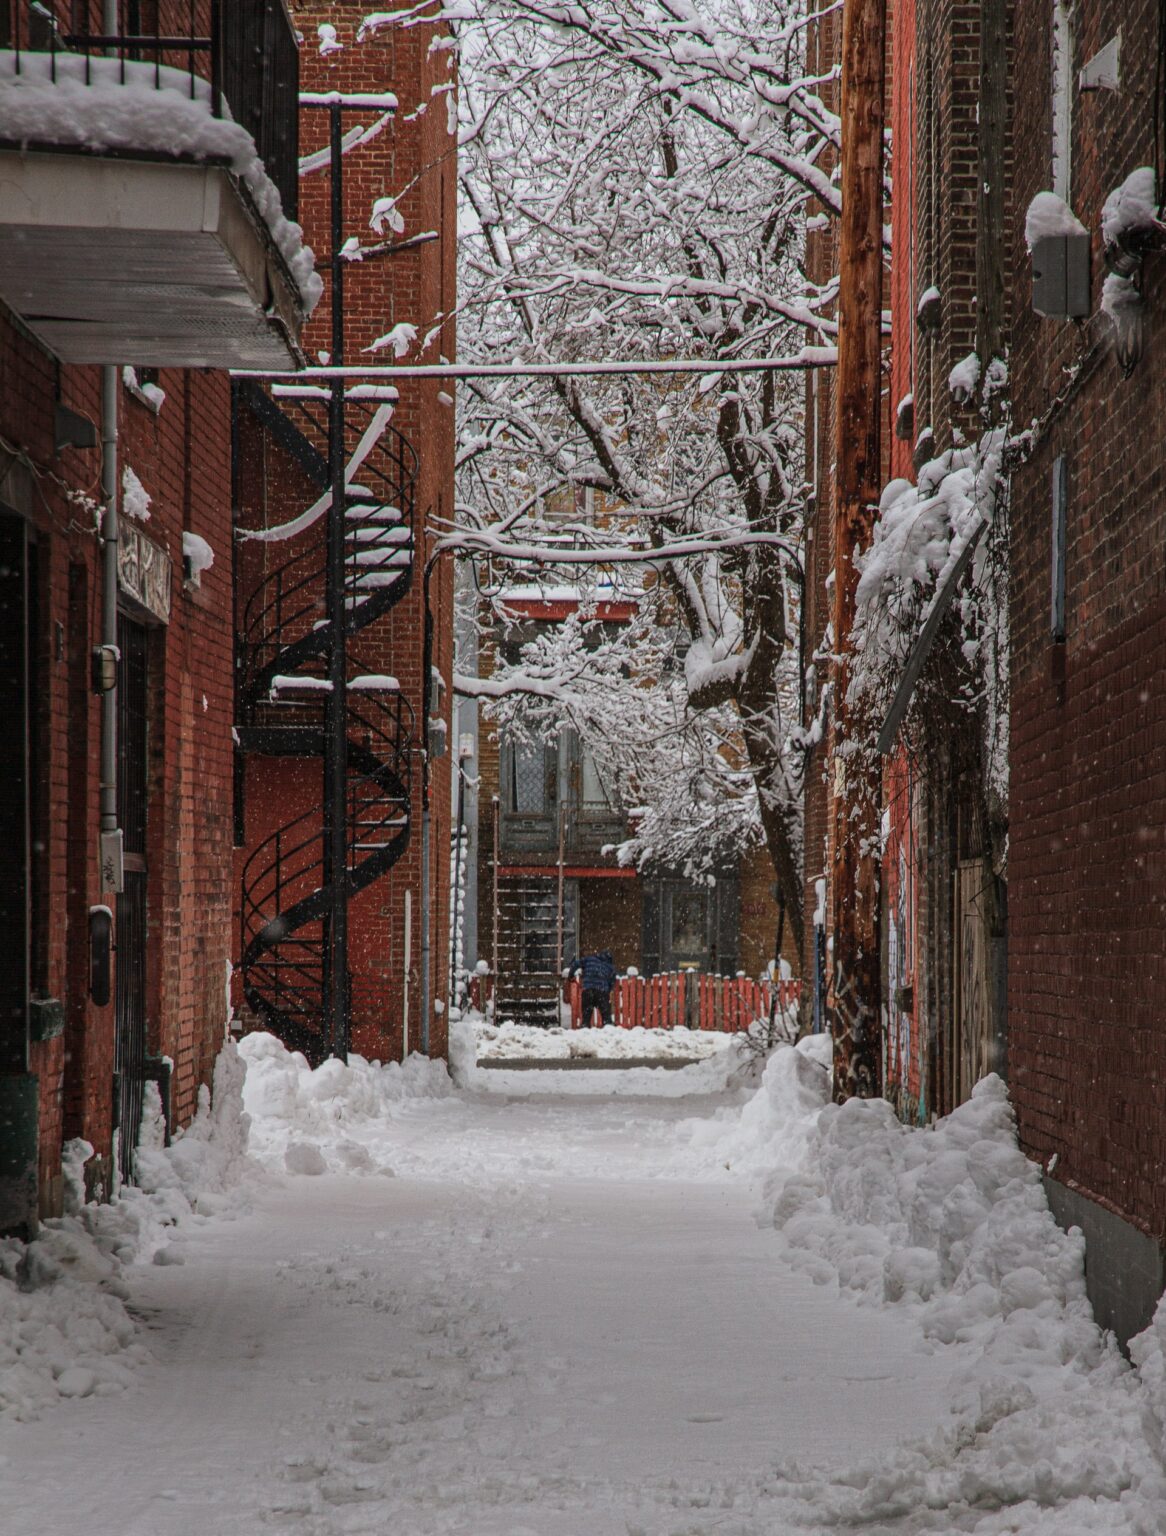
x: 243, y: 52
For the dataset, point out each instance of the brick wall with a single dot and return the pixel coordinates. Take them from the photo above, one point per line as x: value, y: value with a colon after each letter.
x: 412, y: 159
x: 188, y: 814
x: 1087, y: 860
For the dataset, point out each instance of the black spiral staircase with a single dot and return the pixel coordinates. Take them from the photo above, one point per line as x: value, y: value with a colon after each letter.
x: 284, y: 645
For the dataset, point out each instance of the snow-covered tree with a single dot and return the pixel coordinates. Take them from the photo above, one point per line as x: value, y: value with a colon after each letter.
x: 634, y: 180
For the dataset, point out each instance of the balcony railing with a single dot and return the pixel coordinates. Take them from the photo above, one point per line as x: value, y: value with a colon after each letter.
x: 239, y: 54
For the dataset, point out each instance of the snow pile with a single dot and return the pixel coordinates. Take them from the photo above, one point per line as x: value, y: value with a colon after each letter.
x: 950, y: 1225
x: 307, y: 1121
x: 64, y: 1328
x: 1148, y: 1352
x: 509, y: 1041
x: 1050, y: 217
x: 99, y: 104
x: 727, y: 1066
x: 773, y: 1128
x: 198, y: 554
x: 64, y: 1331
x: 1131, y: 210
x: 135, y: 498
x: 954, y: 1217
x: 204, y: 1163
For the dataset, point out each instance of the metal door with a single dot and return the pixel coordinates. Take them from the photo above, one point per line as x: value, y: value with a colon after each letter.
x: 132, y: 785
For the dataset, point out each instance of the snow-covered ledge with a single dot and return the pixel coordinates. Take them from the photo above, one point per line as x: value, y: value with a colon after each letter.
x: 137, y: 225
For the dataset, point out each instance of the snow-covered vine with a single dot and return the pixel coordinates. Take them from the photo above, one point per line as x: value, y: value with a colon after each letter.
x: 918, y: 558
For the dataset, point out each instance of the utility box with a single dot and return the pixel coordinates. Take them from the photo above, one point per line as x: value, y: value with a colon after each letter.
x: 1060, y: 276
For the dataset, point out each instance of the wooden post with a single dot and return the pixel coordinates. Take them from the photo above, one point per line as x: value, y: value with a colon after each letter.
x: 854, y: 1003
x: 494, y: 955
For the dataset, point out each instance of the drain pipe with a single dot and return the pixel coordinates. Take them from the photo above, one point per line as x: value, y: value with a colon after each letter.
x: 426, y: 700
x: 108, y: 649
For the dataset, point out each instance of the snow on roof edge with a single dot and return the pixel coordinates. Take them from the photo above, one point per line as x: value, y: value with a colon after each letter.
x: 105, y: 104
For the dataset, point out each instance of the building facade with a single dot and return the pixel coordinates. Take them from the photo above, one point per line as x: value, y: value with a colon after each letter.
x: 1087, y: 871
x: 1021, y: 634
x: 548, y: 885
x: 136, y: 266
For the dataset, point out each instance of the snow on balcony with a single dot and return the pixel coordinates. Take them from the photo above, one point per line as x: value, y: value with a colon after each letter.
x: 138, y: 226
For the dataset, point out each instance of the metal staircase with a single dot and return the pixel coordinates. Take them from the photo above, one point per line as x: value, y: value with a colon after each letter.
x: 284, y: 704
x: 528, y: 985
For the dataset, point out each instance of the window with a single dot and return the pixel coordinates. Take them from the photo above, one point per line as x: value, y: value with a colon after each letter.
x: 689, y: 920
x: 594, y: 794
x: 529, y: 778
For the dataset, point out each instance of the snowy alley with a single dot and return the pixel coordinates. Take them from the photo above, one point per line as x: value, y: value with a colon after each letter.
x: 544, y: 1303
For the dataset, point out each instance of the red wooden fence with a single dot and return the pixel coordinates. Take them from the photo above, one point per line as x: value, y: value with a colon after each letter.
x: 688, y: 998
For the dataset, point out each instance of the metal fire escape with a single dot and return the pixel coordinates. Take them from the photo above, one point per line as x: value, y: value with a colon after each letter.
x: 303, y: 691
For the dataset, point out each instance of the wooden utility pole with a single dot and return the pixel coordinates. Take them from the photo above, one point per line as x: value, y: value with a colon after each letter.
x: 854, y: 1003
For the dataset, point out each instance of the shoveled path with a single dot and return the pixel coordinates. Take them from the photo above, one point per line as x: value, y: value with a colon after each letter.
x: 535, y: 1327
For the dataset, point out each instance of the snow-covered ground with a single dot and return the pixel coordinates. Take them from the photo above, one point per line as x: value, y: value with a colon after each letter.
x: 509, y: 1041
x: 712, y: 1306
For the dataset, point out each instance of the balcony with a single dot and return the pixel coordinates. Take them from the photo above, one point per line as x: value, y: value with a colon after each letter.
x: 550, y: 792
x: 148, y: 181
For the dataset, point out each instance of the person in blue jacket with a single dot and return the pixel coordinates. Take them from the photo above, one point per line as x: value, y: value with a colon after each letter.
x: 598, y: 973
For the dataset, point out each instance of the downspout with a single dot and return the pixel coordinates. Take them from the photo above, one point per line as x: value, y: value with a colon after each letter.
x: 426, y: 698
x: 109, y: 548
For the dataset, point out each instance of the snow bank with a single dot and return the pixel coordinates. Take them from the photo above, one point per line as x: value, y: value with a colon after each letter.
x: 508, y: 1041
x: 306, y: 1121
x: 951, y: 1225
x: 727, y: 1066
x: 773, y: 1128
x: 64, y: 1327
x: 97, y: 103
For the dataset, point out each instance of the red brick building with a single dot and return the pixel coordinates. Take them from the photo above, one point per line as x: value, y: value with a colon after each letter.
x: 132, y: 275
x: 944, y: 909
x: 1087, y: 859
x: 1022, y: 921
x: 398, y: 220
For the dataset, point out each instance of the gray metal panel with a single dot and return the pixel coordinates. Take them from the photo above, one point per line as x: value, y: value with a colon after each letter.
x: 1077, y: 295
x: 1060, y: 276
x: 1048, y: 276
x: 1125, y: 1270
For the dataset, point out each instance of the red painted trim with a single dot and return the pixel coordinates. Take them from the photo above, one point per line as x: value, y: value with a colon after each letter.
x: 570, y: 871
x: 554, y: 610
